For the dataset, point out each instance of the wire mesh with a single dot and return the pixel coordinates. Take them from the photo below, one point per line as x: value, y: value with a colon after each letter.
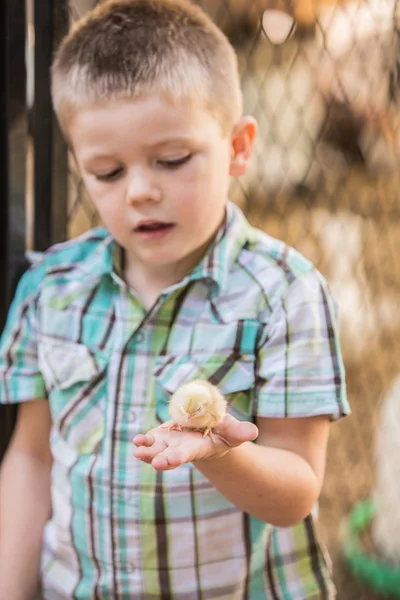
x: 322, y: 80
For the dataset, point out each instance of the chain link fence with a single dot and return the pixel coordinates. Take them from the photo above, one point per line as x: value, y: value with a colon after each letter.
x: 322, y: 79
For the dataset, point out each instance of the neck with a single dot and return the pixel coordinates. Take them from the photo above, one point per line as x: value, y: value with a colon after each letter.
x: 149, y: 282
x: 148, y: 285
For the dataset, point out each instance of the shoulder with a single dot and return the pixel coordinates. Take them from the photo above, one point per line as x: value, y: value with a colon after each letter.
x: 68, y: 261
x: 74, y: 253
x: 272, y: 264
x: 266, y: 257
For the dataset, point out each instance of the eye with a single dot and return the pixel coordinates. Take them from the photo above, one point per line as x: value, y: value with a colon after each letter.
x: 176, y: 163
x: 110, y: 176
x: 199, y: 409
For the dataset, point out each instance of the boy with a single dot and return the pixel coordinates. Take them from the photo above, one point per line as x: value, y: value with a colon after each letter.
x: 177, y: 286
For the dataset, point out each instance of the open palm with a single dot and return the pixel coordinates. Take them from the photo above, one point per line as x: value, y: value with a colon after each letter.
x: 167, y: 450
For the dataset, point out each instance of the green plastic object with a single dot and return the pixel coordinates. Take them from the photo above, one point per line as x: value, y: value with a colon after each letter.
x: 381, y: 576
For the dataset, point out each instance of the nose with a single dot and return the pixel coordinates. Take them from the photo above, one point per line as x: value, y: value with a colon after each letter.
x: 142, y: 187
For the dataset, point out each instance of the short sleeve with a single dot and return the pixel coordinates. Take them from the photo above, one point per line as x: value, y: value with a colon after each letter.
x: 299, y: 370
x: 20, y: 378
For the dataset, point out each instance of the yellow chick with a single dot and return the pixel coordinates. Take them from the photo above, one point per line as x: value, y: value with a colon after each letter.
x: 197, y: 405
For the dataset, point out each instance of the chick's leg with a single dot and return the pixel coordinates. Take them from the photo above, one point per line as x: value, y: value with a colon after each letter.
x: 208, y: 432
x: 171, y: 426
x: 175, y: 427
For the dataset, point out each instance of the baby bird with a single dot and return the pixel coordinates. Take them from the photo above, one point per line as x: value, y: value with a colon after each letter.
x: 197, y: 405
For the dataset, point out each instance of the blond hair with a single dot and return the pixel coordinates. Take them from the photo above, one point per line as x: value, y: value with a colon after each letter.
x: 127, y: 48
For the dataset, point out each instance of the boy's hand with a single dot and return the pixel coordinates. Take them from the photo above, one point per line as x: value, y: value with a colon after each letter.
x: 166, y: 450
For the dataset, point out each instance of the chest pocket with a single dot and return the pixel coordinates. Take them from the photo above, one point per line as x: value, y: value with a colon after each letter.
x: 75, y: 378
x: 234, y: 377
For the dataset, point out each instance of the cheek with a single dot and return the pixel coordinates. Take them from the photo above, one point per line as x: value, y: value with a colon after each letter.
x: 214, y: 176
x: 207, y: 179
x: 93, y: 189
x: 185, y: 194
x: 108, y: 217
x: 103, y: 199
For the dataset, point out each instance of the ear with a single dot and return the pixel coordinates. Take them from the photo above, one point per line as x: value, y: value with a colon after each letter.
x: 242, y: 141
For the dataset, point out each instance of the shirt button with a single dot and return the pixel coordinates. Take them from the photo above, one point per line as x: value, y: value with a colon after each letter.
x: 132, y: 416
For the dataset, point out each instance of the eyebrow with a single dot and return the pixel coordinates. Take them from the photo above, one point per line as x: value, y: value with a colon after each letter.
x: 155, y: 145
x: 168, y: 141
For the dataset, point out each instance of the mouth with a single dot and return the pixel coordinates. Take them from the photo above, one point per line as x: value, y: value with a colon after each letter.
x: 150, y: 231
x: 151, y: 226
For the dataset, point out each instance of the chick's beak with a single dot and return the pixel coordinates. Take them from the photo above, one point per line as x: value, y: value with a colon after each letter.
x: 189, y: 416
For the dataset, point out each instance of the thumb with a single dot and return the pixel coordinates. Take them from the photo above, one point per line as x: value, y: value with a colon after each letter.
x: 236, y: 432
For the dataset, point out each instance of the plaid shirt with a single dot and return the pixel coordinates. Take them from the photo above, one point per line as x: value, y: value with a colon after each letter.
x: 255, y: 318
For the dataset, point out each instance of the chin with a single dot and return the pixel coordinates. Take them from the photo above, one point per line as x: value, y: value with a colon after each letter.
x: 166, y: 257
x: 162, y: 260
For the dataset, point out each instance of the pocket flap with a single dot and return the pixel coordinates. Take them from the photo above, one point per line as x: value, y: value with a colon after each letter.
x: 64, y: 363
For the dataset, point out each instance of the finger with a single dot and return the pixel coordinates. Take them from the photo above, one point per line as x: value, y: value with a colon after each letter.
x: 178, y: 454
x: 160, y: 463
x: 144, y: 454
x: 146, y: 460
x: 236, y: 432
x: 143, y: 439
x: 147, y: 453
x: 170, y: 459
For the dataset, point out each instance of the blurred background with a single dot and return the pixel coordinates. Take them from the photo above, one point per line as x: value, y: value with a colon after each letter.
x: 322, y: 77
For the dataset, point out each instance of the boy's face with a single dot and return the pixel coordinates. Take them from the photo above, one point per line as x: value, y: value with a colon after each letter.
x: 158, y: 175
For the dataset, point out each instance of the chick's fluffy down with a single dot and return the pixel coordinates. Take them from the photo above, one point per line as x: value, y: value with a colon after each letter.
x: 197, y: 405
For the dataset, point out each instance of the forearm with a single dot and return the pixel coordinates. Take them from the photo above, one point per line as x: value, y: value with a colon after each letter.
x: 25, y: 506
x: 276, y: 486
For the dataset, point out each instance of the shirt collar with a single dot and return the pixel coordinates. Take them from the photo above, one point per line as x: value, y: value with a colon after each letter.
x: 100, y: 262
x: 225, y: 249
x: 214, y: 267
